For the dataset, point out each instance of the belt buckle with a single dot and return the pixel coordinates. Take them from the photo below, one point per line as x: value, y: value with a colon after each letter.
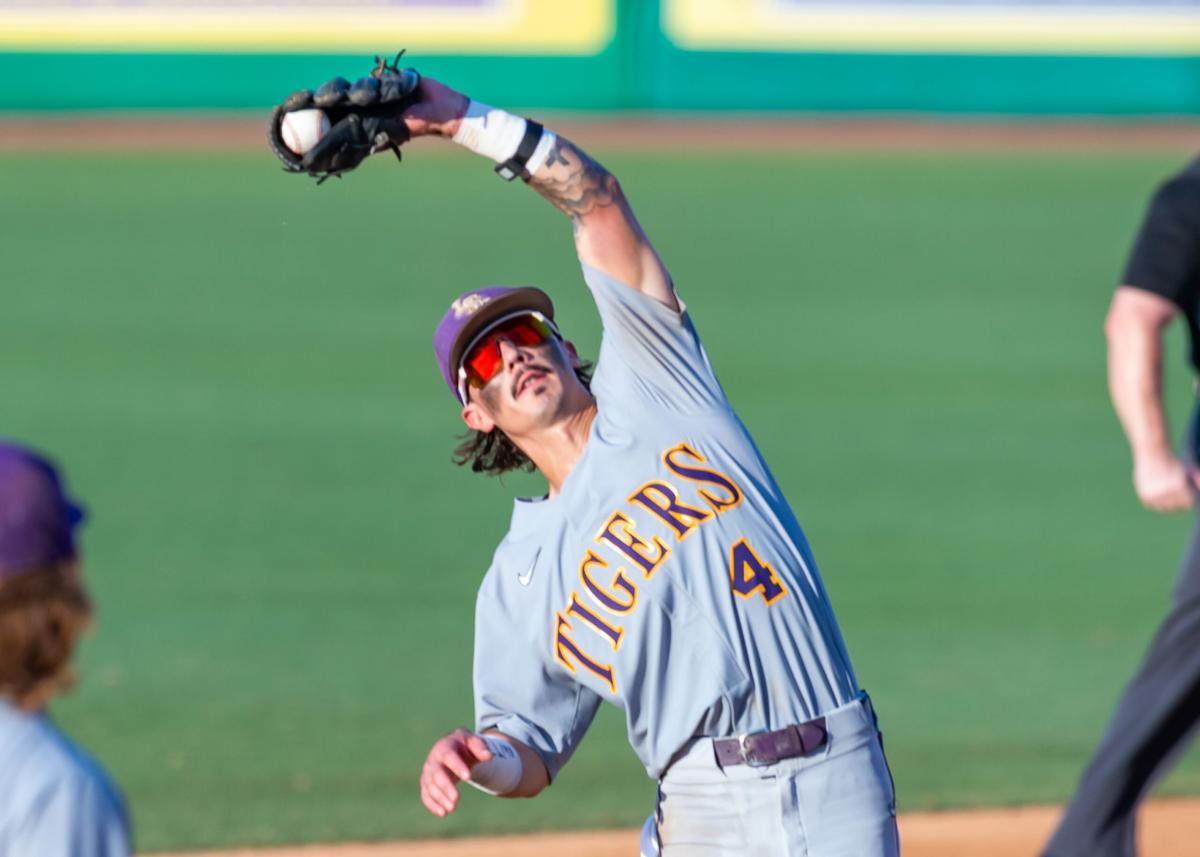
x: 750, y: 753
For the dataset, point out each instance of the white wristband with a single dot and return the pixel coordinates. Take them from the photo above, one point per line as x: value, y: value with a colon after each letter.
x: 501, y: 773
x: 542, y: 152
x: 490, y: 132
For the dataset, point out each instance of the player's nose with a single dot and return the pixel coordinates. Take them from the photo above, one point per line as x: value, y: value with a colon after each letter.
x: 510, y: 353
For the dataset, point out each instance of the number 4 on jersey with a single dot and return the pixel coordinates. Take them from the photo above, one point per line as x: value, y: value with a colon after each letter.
x: 748, y: 574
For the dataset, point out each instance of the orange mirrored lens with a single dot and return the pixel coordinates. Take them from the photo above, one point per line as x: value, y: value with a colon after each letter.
x: 484, y: 361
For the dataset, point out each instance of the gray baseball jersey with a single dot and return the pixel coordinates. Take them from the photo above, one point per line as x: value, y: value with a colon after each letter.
x: 668, y: 575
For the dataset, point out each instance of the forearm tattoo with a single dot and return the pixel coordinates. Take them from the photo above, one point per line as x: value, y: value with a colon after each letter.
x: 575, y: 183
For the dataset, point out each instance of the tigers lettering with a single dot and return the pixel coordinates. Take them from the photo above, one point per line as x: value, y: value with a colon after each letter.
x: 659, y: 504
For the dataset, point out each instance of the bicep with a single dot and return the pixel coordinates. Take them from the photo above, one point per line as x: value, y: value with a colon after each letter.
x: 611, y: 240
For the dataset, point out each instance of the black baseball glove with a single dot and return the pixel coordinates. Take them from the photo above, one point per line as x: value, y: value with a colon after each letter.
x: 364, y: 117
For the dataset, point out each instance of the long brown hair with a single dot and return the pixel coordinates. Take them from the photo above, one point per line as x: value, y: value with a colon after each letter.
x: 42, y: 614
x: 493, y: 452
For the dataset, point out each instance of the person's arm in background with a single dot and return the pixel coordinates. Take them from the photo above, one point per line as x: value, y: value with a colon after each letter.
x: 1134, y: 328
x: 1161, y: 277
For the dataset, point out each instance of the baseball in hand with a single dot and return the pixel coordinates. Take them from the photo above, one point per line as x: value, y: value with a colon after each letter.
x: 302, y: 129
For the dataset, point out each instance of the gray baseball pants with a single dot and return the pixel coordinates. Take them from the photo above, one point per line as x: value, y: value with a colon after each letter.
x: 1151, y: 726
x: 838, y: 801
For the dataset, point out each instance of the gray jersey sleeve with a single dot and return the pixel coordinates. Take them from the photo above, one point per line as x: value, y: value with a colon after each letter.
x: 520, y: 694
x: 649, y: 352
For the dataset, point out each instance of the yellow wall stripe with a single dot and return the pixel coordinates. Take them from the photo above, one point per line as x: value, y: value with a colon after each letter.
x: 570, y: 27
x: 767, y: 25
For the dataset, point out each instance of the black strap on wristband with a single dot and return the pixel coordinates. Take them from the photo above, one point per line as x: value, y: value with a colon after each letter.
x: 515, y: 166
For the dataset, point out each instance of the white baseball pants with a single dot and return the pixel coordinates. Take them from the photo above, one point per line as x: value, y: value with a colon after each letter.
x: 838, y: 801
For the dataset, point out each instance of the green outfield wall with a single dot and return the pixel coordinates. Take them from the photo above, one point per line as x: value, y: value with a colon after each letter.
x: 1021, y: 57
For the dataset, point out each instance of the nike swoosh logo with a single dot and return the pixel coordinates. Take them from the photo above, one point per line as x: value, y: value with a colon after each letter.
x: 524, y: 579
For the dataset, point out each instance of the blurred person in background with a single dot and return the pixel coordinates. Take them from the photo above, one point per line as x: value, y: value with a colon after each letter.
x: 1160, y: 707
x: 55, y: 800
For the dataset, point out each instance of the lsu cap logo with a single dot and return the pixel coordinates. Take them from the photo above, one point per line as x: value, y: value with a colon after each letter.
x: 469, y: 304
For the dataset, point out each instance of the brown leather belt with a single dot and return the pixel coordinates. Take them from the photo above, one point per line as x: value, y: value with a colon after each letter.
x: 767, y: 748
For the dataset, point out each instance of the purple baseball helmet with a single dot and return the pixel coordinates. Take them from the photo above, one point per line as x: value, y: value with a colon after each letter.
x: 37, y: 518
x: 471, y: 315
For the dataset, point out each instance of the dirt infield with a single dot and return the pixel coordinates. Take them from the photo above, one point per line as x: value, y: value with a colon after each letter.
x: 1169, y: 828
x: 206, y: 132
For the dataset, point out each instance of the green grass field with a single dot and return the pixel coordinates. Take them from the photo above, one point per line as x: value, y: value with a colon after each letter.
x: 235, y: 368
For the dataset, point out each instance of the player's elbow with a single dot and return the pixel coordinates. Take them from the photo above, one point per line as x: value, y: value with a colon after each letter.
x: 1124, y: 331
x: 1116, y: 323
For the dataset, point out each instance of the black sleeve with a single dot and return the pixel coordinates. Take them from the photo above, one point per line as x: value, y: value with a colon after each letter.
x: 1166, y: 256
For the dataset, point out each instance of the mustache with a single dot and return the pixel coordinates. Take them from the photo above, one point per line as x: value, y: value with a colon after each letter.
x: 544, y: 368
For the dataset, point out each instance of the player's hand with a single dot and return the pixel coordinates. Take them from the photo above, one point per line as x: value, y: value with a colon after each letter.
x: 450, y: 761
x: 437, y: 112
x: 1164, y: 483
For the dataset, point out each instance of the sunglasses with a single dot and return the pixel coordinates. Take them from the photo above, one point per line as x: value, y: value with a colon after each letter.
x: 482, y: 359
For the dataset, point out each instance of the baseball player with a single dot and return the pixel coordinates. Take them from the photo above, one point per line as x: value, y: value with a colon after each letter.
x: 1160, y: 708
x: 664, y: 571
x: 55, y: 800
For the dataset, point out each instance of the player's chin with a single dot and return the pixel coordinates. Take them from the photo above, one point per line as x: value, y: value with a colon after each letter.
x: 538, y: 405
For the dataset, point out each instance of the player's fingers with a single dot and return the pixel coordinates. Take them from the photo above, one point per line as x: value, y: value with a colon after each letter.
x: 441, y: 790
x: 439, y: 782
x: 451, y: 759
x: 479, y: 748
x: 444, y: 782
x: 449, y: 800
x: 439, y: 803
x: 431, y: 803
x: 1177, y: 499
x: 1171, y: 501
x: 1166, y: 496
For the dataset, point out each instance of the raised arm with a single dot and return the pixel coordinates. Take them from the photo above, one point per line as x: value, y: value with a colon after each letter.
x: 607, y: 234
x: 1134, y: 328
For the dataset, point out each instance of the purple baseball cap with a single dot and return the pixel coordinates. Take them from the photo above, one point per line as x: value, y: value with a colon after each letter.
x: 37, y: 518
x: 472, y: 314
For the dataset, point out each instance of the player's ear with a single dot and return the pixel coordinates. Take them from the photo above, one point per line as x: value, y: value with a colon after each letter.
x: 477, y: 418
x: 572, y: 353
